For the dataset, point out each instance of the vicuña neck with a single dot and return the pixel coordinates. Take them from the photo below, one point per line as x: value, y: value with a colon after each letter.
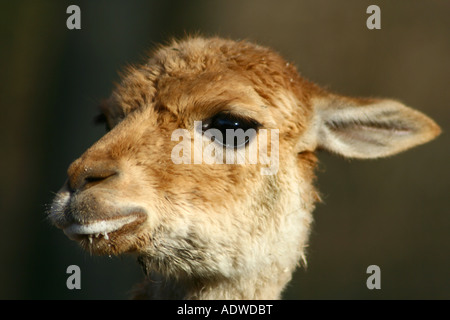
x: 266, y: 286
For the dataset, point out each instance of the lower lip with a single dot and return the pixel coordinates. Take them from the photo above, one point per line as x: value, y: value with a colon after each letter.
x: 97, y: 228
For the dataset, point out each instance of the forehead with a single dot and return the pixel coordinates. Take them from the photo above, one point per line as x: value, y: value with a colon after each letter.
x: 198, y: 77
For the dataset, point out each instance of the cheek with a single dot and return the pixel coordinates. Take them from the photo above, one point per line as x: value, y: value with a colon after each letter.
x: 216, y: 187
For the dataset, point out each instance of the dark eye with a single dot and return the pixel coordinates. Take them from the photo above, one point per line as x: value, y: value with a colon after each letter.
x: 230, y: 130
x: 101, y: 119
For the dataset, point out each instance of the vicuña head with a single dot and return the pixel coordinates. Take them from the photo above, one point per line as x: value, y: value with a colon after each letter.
x: 215, y: 229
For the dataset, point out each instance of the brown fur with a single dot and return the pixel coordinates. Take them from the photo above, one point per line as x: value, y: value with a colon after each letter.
x: 205, y: 231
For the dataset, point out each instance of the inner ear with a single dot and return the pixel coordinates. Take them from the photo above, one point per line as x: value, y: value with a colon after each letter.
x: 370, y: 128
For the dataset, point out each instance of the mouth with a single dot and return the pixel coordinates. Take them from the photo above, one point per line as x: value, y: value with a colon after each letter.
x: 104, y: 229
x: 100, y: 226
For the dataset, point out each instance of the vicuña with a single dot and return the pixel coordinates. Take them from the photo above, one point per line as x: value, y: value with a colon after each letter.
x: 218, y: 230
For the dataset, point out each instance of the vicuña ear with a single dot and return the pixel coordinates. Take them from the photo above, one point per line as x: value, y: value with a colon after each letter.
x: 369, y: 128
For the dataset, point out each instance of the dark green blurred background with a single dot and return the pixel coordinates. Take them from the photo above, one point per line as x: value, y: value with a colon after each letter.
x: 391, y: 212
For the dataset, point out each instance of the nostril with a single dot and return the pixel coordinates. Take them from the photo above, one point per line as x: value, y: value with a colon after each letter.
x: 87, y: 177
